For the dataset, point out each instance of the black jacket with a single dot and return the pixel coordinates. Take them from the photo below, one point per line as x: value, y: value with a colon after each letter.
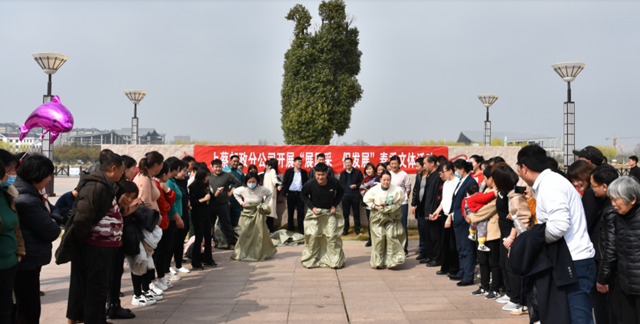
x: 433, y: 194
x: 142, y: 218
x: 635, y: 172
x: 592, y: 206
x: 288, y: 179
x: 628, y: 250
x: 199, y: 209
x: 356, y: 179
x: 95, y: 196
x: 547, y: 268
x: 38, y: 228
x: 415, y: 196
x: 608, y: 257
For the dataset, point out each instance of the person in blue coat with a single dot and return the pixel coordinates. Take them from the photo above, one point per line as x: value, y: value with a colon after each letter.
x: 466, y: 248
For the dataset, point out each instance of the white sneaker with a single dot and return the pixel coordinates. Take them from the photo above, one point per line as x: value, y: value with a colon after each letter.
x: 166, y: 282
x: 172, y: 270
x: 483, y: 248
x: 510, y: 306
x: 503, y: 300
x: 172, y: 277
x: 184, y: 270
x: 141, y: 301
x: 521, y: 310
x: 472, y: 237
x: 153, y: 295
x: 156, y: 290
x: 157, y: 284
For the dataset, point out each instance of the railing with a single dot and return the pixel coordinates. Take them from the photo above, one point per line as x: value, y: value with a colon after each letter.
x: 63, y: 170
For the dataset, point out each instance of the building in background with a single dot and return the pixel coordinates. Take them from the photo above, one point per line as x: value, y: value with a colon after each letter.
x: 10, y: 133
x: 553, y: 145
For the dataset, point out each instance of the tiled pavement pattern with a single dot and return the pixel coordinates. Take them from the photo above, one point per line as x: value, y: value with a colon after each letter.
x: 280, y: 290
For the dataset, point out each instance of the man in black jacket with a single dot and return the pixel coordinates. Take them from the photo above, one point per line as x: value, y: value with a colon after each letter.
x: 606, y: 259
x: 350, y: 179
x: 294, y: 179
x: 433, y: 228
x: 417, y: 204
x: 90, y: 264
x: 634, y: 171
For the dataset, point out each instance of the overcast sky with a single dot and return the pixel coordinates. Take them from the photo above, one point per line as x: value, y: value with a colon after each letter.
x: 213, y: 69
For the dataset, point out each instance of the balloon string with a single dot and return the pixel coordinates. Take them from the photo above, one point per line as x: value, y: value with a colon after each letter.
x: 39, y: 140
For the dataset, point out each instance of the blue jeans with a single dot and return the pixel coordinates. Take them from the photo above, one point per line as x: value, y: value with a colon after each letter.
x: 419, y: 216
x: 579, y: 294
x: 465, y: 251
x: 403, y: 220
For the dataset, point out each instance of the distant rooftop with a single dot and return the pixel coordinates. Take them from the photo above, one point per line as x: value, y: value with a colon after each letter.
x: 478, y: 137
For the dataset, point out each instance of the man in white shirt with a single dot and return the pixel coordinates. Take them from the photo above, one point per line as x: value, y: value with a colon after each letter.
x: 559, y: 205
x: 294, y: 179
x: 401, y: 179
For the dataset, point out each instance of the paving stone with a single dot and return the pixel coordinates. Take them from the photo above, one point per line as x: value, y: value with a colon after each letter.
x: 280, y: 290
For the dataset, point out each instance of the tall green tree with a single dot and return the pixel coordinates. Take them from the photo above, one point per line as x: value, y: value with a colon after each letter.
x: 320, y: 87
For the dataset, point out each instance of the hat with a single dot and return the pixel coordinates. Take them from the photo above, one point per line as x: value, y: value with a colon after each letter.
x: 592, y: 154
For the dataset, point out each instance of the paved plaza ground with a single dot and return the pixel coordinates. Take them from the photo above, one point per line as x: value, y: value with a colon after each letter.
x: 280, y: 290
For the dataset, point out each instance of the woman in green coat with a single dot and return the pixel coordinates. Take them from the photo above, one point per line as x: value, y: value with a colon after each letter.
x: 387, y: 233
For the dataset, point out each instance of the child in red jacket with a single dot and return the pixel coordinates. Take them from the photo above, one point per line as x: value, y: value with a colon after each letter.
x: 475, y: 201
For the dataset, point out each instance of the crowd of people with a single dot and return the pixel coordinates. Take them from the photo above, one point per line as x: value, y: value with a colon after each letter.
x: 559, y: 247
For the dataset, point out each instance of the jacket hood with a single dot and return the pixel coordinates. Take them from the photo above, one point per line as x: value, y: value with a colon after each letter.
x: 96, y: 176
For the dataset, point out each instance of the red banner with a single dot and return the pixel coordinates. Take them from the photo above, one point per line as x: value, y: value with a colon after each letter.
x: 361, y: 155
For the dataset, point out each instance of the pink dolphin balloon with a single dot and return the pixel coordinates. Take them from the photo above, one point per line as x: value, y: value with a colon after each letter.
x: 52, y: 116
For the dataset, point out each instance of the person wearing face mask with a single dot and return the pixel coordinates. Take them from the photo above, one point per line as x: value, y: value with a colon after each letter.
x: 254, y: 244
x: 388, y: 235
x: 234, y: 206
x: 12, y: 248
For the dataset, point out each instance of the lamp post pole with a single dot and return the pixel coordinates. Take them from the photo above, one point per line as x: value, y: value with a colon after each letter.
x: 135, y: 96
x: 487, y: 100
x: 50, y: 63
x: 568, y: 72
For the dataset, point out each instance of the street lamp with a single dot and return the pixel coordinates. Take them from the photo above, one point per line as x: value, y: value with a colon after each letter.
x: 50, y: 63
x: 568, y: 71
x: 135, y: 96
x: 487, y: 100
